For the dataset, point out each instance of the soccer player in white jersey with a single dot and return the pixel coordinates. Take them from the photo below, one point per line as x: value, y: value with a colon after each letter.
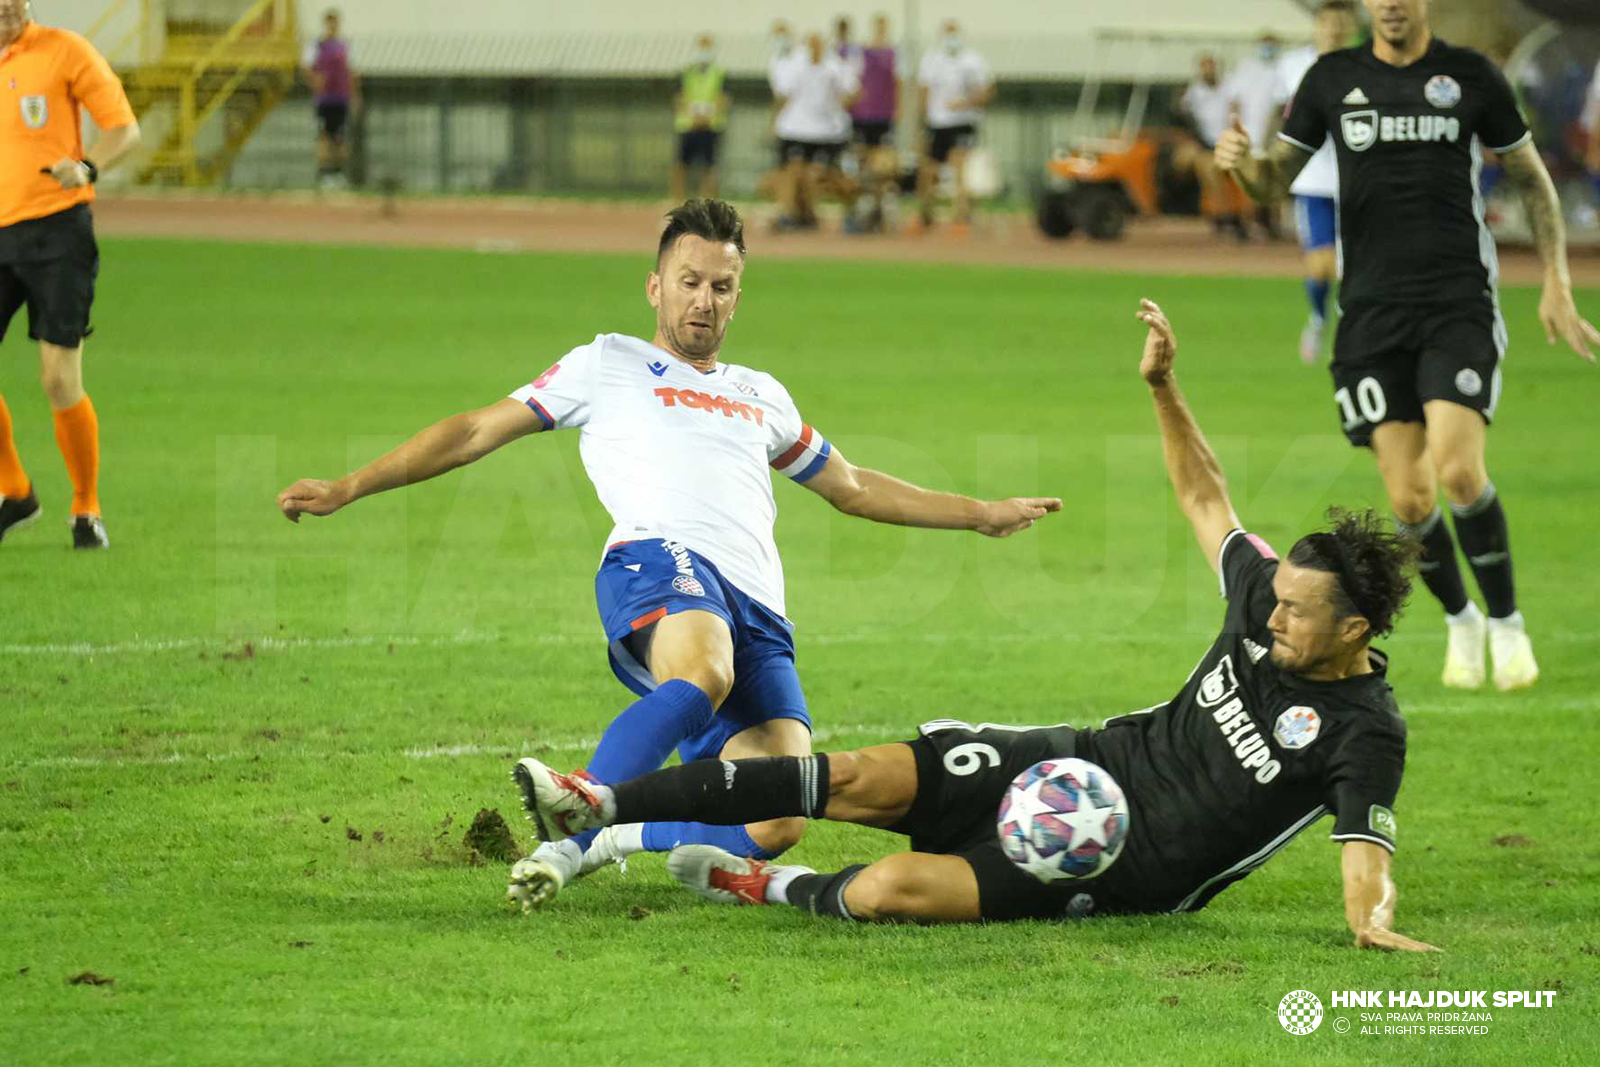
x: 1316, y: 190
x: 678, y: 445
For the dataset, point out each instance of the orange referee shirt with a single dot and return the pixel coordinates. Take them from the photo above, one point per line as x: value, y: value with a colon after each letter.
x: 45, y: 76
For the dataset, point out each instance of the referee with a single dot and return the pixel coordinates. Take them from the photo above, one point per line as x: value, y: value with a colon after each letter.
x: 1416, y: 360
x: 48, y: 256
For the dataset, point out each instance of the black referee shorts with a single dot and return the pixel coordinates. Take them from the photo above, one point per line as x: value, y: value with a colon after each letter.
x: 333, y: 117
x: 49, y: 264
x: 962, y: 777
x: 942, y: 140
x: 1391, y: 359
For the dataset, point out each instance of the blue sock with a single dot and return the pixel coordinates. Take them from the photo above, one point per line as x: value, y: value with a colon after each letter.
x: 1317, y: 293
x: 643, y: 736
x: 666, y: 836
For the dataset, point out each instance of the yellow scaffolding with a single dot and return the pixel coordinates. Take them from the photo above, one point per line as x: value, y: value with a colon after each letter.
x: 234, y: 72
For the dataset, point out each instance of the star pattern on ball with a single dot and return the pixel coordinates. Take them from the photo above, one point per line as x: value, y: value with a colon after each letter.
x: 1088, y: 824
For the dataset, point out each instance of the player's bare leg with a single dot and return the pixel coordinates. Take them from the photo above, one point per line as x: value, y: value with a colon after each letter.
x: 927, y: 187
x: 1406, y: 463
x: 678, y: 183
x: 915, y: 887
x: 694, y: 646
x: 791, y: 191
x: 77, y: 435
x: 1457, y: 438
x: 963, y: 201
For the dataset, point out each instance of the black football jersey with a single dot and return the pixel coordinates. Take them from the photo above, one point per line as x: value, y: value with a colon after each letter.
x: 1409, y: 142
x: 1246, y: 756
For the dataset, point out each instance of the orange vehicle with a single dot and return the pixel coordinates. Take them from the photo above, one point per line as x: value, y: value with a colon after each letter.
x: 1095, y: 189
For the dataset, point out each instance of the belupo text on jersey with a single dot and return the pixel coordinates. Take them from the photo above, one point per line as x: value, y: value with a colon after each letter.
x: 1359, y: 128
x: 1218, y: 691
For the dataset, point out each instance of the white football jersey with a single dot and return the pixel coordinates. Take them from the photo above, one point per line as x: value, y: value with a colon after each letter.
x: 681, y: 455
x: 1320, y: 176
x: 951, y: 79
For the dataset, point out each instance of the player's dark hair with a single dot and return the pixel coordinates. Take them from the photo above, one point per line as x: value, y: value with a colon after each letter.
x: 1370, y: 562
x: 1347, y: 7
x: 713, y: 220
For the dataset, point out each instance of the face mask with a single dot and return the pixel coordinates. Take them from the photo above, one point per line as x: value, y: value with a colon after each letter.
x: 781, y: 43
x: 952, y: 43
x: 1269, y: 52
x: 704, y: 56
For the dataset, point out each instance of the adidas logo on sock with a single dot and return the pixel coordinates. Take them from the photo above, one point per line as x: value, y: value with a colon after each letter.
x: 1356, y: 96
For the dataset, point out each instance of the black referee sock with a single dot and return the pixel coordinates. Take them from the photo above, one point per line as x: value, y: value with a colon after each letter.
x: 727, y: 792
x: 823, y: 894
x: 1481, y: 526
x: 1438, y: 567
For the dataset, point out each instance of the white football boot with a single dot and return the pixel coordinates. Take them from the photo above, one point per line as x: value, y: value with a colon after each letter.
x: 720, y: 876
x: 560, y: 805
x: 536, y: 879
x: 1512, y: 653
x: 1463, y: 657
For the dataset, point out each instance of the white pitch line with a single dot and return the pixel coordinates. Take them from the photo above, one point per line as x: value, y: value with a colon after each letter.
x: 156, y: 646
x: 586, y: 743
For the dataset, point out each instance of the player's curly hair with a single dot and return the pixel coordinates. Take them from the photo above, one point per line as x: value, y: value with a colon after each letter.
x: 1370, y: 562
x: 714, y: 220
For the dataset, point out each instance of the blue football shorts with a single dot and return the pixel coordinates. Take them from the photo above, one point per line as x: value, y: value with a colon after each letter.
x: 642, y: 582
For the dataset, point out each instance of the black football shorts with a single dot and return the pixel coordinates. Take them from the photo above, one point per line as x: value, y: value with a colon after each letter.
x: 963, y: 772
x: 49, y: 265
x: 1391, y: 359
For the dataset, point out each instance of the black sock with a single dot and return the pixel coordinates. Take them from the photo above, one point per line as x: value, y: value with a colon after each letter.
x: 727, y: 792
x: 823, y: 894
x: 1438, y: 567
x: 1481, y: 526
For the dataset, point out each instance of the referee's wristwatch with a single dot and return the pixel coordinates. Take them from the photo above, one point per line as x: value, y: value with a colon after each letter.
x: 94, y: 171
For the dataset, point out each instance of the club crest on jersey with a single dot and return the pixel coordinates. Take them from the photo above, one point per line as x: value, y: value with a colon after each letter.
x: 1360, y: 129
x: 35, y: 112
x: 688, y: 586
x: 1297, y: 727
x: 1442, y: 91
x: 1218, y: 684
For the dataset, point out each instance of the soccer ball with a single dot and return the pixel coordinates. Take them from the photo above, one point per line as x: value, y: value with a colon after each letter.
x: 1063, y: 819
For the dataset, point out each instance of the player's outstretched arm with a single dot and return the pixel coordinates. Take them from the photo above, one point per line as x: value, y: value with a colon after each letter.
x: 1266, y: 178
x: 1191, y: 465
x: 444, y: 446
x: 1557, y: 312
x: 1369, y: 899
x: 870, y: 494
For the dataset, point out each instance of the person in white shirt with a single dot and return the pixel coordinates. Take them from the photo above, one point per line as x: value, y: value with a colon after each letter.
x: 1253, y: 86
x: 955, y: 85
x: 1316, y: 190
x: 679, y: 446
x: 1208, y: 106
x: 814, y: 88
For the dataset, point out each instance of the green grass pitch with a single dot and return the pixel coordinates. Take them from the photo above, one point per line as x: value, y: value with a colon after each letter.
x: 199, y: 723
